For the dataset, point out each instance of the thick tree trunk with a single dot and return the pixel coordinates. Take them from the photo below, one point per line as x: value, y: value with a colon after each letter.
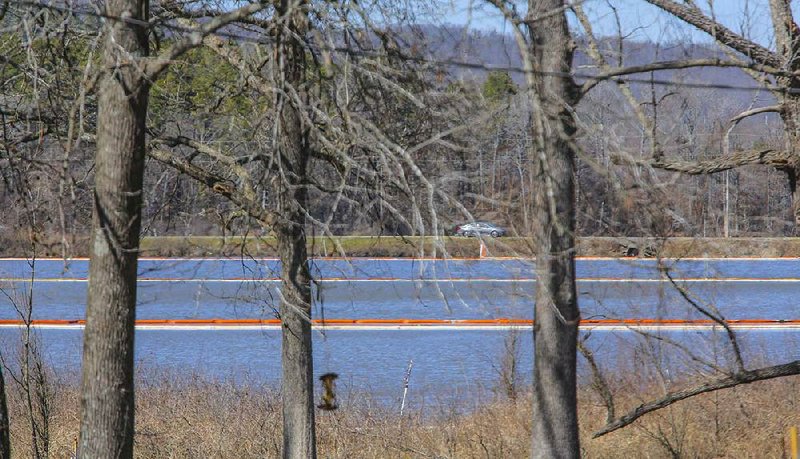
x: 791, y: 174
x: 790, y: 114
x: 107, y: 403
x: 5, y: 438
x: 296, y: 359
x: 299, y: 440
x: 555, y: 421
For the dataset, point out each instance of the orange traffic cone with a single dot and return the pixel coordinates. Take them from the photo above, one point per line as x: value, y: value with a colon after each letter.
x: 484, y: 251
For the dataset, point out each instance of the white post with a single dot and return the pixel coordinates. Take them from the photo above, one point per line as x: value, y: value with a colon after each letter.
x: 405, y: 386
x: 727, y: 219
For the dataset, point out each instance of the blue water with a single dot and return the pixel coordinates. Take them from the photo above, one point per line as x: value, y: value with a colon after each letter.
x: 368, y: 288
x: 363, y: 268
x: 444, y: 361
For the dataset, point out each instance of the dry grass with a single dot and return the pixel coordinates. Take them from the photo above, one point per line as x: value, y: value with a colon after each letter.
x: 392, y: 246
x: 187, y: 417
x: 368, y: 246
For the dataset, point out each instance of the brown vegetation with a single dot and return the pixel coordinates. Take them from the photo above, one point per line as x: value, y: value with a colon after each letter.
x: 192, y: 417
x: 456, y: 247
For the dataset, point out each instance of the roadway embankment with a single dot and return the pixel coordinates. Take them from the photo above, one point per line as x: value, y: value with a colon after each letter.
x: 416, y: 247
x: 460, y: 247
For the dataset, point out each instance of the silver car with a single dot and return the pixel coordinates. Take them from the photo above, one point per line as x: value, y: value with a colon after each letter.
x: 479, y: 228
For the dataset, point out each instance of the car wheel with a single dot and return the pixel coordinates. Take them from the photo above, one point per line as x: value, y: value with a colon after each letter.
x: 494, y: 233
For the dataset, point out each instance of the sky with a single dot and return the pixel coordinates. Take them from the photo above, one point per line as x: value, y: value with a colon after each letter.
x: 639, y: 20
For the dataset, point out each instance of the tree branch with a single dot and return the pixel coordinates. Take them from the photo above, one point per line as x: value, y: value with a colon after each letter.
x: 755, y: 111
x: 742, y: 377
x: 777, y: 159
x: 228, y: 161
x: 676, y: 65
x: 598, y: 381
x: 694, y: 16
x: 712, y: 313
x: 624, y: 87
x: 216, y: 183
x: 195, y: 38
x: 785, y: 31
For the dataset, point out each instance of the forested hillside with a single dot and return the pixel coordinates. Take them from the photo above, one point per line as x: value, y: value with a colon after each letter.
x: 203, y: 106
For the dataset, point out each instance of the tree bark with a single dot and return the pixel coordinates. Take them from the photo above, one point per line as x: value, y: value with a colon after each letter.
x: 555, y: 421
x: 790, y: 114
x: 107, y: 398
x: 694, y: 16
x: 778, y: 159
x: 5, y: 437
x: 787, y: 44
x: 299, y: 440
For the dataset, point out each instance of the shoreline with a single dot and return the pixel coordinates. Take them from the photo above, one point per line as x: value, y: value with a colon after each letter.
x: 419, y: 247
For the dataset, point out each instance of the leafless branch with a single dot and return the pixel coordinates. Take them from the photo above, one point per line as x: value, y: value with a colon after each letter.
x: 216, y: 183
x: 755, y: 111
x: 694, y: 16
x: 612, y: 73
x: 776, y: 158
x: 195, y: 38
x: 738, y: 378
x: 598, y: 381
x: 711, y: 314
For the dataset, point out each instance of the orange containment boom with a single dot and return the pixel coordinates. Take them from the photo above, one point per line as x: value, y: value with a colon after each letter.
x: 499, y: 323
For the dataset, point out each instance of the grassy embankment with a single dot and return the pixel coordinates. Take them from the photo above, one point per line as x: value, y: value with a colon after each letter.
x: 190, y: 418
x: 392, y: 246
x: 368, y: 246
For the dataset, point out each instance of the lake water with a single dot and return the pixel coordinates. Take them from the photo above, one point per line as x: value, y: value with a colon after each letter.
x: 445, y: 361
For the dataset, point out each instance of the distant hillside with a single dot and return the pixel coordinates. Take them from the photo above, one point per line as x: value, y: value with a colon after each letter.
x: 494, y: 49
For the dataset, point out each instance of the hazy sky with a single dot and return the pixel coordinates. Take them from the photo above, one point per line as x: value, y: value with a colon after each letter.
x: 638, y: 18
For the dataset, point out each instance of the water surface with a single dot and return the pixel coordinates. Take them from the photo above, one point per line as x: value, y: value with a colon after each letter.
x: 444, y: 361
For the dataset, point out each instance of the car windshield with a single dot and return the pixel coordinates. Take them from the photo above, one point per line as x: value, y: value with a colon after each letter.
x: 479, y: 225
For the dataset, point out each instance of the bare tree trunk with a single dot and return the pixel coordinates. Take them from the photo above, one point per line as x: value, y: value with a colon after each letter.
x: 791, y: 174
x: 555, y: 421
x: 107, y: 401
x: 5, y: 441
x: 295, y: 311
x: 790, y: 115
x: 299, y: 440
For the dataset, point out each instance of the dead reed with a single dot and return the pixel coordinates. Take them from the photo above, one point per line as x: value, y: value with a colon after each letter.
x: 187, y: 416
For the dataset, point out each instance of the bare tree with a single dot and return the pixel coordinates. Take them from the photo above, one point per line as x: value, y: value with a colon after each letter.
x: 107, y: 394
x: 292, y: 163
x: 5, y: 437
x: 552, y: 98
x: 546, y: 46
x: 771, y: 69
x: 107, y: 397
x: 325, y: 140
